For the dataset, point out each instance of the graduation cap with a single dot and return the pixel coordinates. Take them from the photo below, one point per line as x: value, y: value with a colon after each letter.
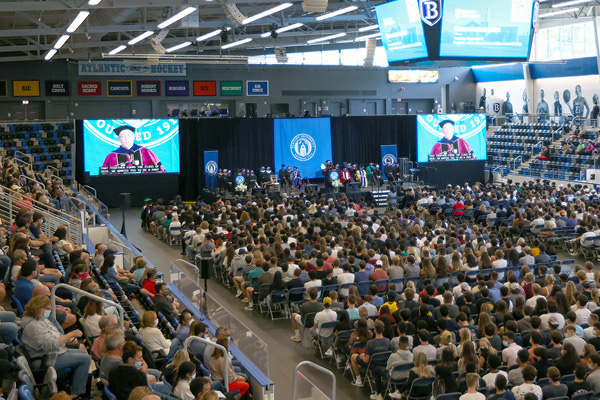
x: 446, y: 121
x: 122, y: 128
x: 147, y: 199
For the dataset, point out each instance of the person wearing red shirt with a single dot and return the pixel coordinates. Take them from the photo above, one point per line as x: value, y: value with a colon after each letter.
x: 148, y: 282
x: 458, y: 208
x: 379, y: 275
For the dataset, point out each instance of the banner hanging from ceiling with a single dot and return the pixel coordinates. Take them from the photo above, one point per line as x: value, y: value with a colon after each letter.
x: 121, y: 68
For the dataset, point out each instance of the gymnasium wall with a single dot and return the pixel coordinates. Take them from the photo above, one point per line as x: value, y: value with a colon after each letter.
x: 334, y: 91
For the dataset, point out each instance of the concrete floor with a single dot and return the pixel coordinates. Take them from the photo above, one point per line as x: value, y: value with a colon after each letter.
x: 284, y: 355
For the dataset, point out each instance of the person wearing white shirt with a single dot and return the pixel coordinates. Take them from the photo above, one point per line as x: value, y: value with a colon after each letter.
x: 345, y: 277
x: 536, y: 289
x: 529, y: 374
x: 552, y: 314
x: 576, y: 341
x: 185, y: 374
x: 582, y: 312
x: 472, y: 393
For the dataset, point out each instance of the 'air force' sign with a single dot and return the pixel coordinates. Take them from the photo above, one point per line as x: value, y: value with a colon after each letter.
x: 431, y: 11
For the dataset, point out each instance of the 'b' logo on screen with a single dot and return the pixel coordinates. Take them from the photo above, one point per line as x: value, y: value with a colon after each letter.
x: 431, y: 11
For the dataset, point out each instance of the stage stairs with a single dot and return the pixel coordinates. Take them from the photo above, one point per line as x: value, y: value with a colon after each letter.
x: 380, y: 197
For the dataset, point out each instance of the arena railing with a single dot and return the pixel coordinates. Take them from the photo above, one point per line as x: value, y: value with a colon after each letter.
x: 11, y: 201
x: 75, y: 290
x: 246, y: 346
x: 90, y: 194
x: 215, y: 345
x: 304, y: 388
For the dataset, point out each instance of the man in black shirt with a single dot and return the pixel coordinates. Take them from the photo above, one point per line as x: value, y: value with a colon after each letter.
x: 127, y: 376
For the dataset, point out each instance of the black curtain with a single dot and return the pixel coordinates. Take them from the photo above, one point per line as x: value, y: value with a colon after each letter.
x: 358, y: 139
x: 241, y: 142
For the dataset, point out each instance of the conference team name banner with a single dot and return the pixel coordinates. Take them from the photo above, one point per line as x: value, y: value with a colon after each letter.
x: 26, y: 88
x: 119, y: 88
x: 211, y: 167
x: 232, y: 88
x: 205, y: 88
x: 148, y: 88
x: 89, y: 88
x: 120, y: 68
x: 257, y: 88
x: 304, y: 143
x: 389, y: 156
x: 177, y: 88
x: 58, y: 88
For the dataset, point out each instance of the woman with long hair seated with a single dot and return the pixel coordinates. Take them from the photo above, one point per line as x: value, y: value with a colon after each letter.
x: 42, y: 338
x: 217, y: 366
x: 114, y: 277
x: 185, y: 374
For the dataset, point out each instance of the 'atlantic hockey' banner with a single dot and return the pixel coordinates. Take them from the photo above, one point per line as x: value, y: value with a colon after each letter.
x: 304, y: 143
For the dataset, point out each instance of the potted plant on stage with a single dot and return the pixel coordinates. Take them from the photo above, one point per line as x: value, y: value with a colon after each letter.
x: 241, y: 188
x: 337, y: 184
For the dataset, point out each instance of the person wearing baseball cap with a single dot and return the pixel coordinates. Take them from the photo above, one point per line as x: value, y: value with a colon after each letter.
x: 327, y: 315
x: 450, y: 144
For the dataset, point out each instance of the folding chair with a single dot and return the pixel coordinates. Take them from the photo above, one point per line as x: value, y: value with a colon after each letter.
x: 582, y: 396
x: 279, y: 302
x: 337, y: 352
x: 448, y: 396
x: 25, y: 393
x: 363, y: 287
x: 397, y: 369
x: 376, y: 360
x: 325, y: 340
x: 379, y: 283
x: 296, y: 297
x: 308, y: 321
x: 420, y: 384
x: 175, y: 236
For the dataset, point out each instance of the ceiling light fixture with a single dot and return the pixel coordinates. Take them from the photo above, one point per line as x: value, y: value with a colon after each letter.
x: 61, y: 41
x: 78, y: 21
x: 141, y: 37
x: 336, y: 13
x: 570, y: 3
x: 330, y: 37
x: 268, y: 12
x: 265, y: 35
x: 561, y: 12
x: 184, y: 13
x: 234, y: 44
x: 117, y: 50
x: 208, y: 35
x: 50, y: 54
x: 365, y: 37
x: 94, y: 2
x: 368, y: 28
x: 178, y: 47
x: 289, y: 27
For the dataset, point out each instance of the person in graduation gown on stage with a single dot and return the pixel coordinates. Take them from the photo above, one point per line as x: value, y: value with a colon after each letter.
x: 345, y: 176
x: 390, y: 172
x: 451, y: 143
x: 129, y: 153
x: 377, y: 176
x: 369, y: 171
x: 297, y: 178
x: 362, y: 175
x: 284, y: 176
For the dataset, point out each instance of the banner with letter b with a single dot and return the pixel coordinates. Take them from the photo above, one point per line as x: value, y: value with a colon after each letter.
x: 389, y: 156
x: 211, y: 167
x: 304, y: 143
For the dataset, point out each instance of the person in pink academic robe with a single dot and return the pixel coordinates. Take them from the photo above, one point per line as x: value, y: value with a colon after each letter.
x: 129, y: 153
x: 450, y: 143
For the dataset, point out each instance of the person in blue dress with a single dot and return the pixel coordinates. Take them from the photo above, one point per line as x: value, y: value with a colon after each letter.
x: 297, y: 178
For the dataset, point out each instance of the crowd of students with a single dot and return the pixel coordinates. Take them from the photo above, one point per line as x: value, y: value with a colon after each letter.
x: 479, y: 303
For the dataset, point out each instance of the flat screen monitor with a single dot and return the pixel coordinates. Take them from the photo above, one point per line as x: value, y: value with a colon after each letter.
x: 486, y: 29
x: 131, y: 146
x: 451, y: 137
x: 401, y: 30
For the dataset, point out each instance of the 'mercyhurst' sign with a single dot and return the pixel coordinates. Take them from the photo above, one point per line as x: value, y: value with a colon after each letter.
x: 119, y: 68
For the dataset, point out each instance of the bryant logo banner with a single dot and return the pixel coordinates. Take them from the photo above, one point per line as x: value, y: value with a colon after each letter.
x: 302, y: 143
x: 389, y: 156
x: 211, y: 167
x: 431, y: 11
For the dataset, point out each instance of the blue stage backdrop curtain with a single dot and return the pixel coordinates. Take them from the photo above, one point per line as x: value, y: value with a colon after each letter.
x: 389, y: 156
x: 211, y: 167
x: 304, y: 143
